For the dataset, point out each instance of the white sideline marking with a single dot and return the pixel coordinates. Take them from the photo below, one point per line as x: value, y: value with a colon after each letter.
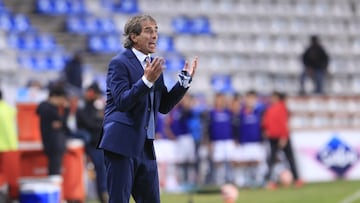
x: 352, y: 197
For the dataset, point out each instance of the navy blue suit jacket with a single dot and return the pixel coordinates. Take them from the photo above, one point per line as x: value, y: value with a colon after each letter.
x: 128, y: 105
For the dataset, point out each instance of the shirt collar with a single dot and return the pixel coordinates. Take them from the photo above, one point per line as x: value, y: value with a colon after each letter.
x: 140, y: 56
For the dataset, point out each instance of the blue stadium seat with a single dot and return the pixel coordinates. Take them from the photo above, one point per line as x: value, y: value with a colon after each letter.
x: 45, y: 42
x: 90, y: 25
x: 200, y: 25
x: 181, y: 24
x: 5, y: 21
x: 112, y: 43
x: 42, y: 62
x: 174, y: 61
x: 77, y: 6
x: 194, y: 25
x: 44, y: 6
x: 14, y: 23
x: 222, y: 83
x: 106, y: 25
x: 20, y: 23
x: 58, y: 7
x: 26, y: 61
x: 106, y: 43
x: 56, y: 61
x: 165, y: 43
x: 31, y: 41
x: 123, y: 6
x: 75, y: 24
x: 95, y: 44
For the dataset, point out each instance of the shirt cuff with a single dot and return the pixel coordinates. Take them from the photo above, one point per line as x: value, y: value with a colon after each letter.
x: 147, y: 83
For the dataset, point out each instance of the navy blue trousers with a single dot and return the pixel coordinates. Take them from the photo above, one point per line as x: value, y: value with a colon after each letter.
x: 97, y: 158
x: 133, y: 176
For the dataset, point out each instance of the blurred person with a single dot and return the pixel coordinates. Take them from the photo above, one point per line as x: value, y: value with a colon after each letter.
x: 8, y: 132
x: 32, y: 92
x: 165, y: 149
x: 197, y: 129
x: 135, y: 93
x: 177, y: 128
x: 53, y: 114
x: 250, y: 152
x: 281, y: 173
x: 73, y: 72
x: 222, y: 144
x: 89, y: 117
x: 8, y: 148
x: 275, y: 124
x: 235, y: 105
x: 315, y: 61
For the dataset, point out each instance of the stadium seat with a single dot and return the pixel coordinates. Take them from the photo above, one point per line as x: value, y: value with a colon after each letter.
x: 200, y: 25
x: 181, y: 24
x: 165, y: 43
x: 14, y: 22
x: 32, y: 41
x: 59, y: 7
x: 222, y: 83
x: 123, y: 6
x: 86, y: 24
x: 5, y: 21
x: 194, y: 25
x: 42, y: 62
x: 106, y: 43
x: 174, y: 61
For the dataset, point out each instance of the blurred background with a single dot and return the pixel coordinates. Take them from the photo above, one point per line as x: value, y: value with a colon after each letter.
x: 242, y: 45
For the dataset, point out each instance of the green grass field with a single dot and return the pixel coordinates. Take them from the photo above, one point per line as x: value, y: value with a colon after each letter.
x: 334, y: 192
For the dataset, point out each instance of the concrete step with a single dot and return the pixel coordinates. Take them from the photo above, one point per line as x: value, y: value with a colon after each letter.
x: 21, y: 6
x: 47, y: 23
x: 99, y: 61
x: 71, y: 42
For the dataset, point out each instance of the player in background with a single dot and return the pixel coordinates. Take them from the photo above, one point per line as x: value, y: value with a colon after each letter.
x: 250, y: 152
x: 222, y: 144
x: 166, y: 157
x: 177, y: 128
x: 275, y: 124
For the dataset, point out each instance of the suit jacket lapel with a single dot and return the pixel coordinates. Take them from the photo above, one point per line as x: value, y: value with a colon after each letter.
x: 136, y: 65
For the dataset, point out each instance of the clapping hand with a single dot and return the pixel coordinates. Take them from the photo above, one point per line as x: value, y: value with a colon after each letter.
x: 154, y: 69
x: 191, y: 69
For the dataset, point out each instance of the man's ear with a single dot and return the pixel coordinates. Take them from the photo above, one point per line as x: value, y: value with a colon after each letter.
x: 133, y: 37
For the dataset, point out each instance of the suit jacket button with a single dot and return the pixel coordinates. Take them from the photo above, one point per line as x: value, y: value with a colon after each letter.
x: 149, y: 109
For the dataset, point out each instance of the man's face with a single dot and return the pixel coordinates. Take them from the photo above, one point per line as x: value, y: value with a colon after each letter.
x: 250, y: 101
x: 146, y: 41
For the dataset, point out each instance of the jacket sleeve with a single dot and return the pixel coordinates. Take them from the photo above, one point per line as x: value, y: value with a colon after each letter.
x: 125, y: 95
x: 284, y: 122
x: 171, y: 98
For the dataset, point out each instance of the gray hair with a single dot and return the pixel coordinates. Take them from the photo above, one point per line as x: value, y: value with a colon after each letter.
x: 133, y: 26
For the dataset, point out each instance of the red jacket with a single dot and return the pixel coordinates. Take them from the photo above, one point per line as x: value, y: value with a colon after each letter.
x: 275, y: 121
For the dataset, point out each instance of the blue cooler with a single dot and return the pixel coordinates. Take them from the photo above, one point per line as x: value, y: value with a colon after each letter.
x: 39, y: 193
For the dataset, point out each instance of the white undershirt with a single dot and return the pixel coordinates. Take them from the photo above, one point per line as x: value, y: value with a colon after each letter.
x: 141, y: 57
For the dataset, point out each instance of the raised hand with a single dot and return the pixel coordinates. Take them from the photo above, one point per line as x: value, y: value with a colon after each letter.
x: 191, y: 69
x: 154, y: 69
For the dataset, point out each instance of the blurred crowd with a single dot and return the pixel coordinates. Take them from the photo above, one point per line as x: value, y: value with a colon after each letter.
x: 238, y: 139
x: 241, y: 139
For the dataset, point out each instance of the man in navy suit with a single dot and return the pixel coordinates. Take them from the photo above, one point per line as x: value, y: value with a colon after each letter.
x: 135, y: 93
